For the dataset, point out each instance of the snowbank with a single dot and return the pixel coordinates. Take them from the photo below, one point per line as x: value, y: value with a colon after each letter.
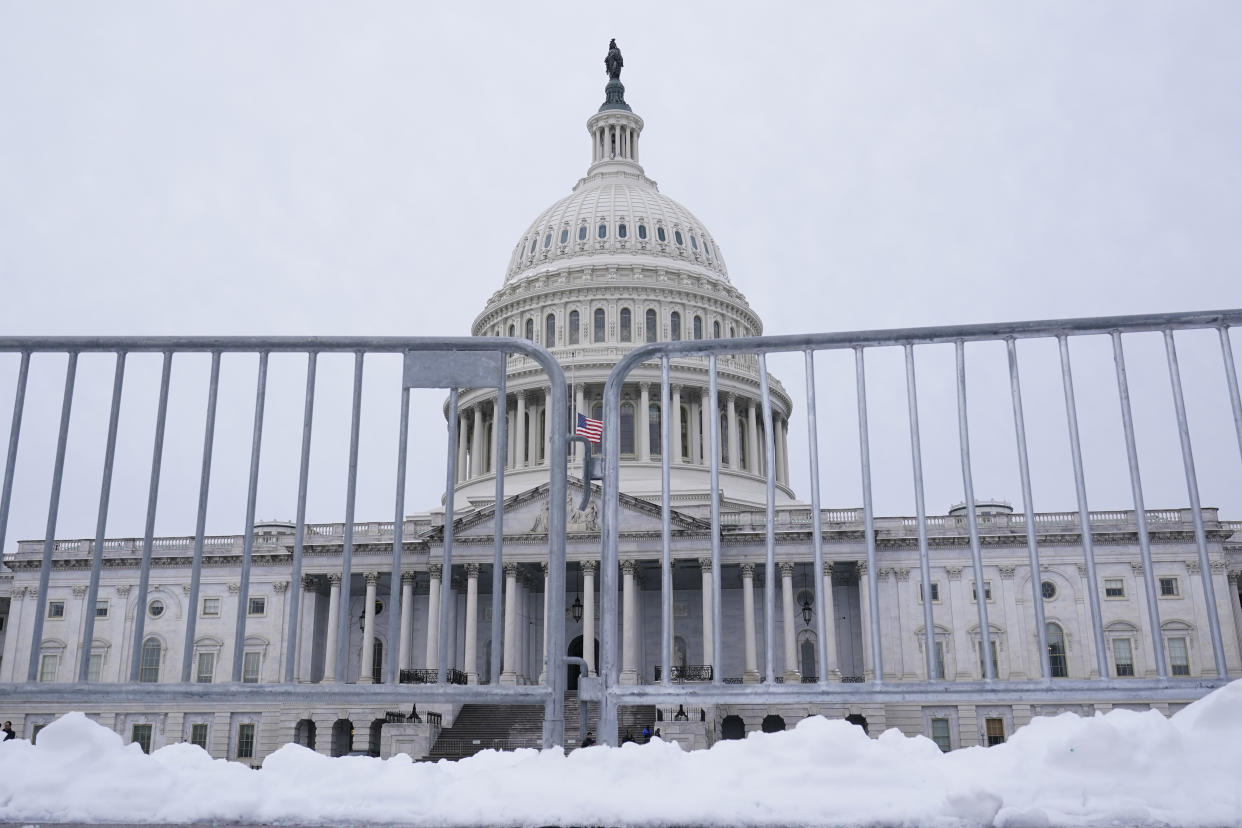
x: 1120, y: 767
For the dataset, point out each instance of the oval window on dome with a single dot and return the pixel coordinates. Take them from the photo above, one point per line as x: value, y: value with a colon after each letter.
x: 621, y: 231
x: 582, y: 233
x: 603, y: 230
x: 707, y: 247
x: 533, y: 242
x: 694, y: 242
x: 677, y: 237
x: 642, y: 231
x: 547, y: 241
x: 564, y: 234
x: 660, y: 234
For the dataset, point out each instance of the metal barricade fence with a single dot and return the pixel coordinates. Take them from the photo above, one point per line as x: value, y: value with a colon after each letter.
x: 933, y: 689
x: 449, y: 363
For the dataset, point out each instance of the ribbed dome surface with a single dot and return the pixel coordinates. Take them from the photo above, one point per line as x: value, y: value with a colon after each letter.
x: 614, y: 215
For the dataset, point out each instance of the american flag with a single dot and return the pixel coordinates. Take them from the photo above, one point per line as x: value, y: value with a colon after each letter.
x: 593, y: 430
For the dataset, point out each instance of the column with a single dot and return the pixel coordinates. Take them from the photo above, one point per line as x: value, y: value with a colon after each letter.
x: 748, y: 620
x: 782, y: 460
x: 532, y: 433
x: 547, y: 426
x: 709, y: 641
x: 642, y: 421
x: 433, y: 617
x: 407, y: 621
x: 830, y: 625
x: 368, y: 630
x: 589, y: 569
x: 674, y: 430
x: 472, y: 623
x: 696, y: 432
x: 508, y: 673
x: 580, y: 401
x: 476, y: 443
x: 1232, y: 582
x: 792, y: 673
x: 864, y: 615
x: 629, y: 671
x: 752, y: 441
x: 731, y: 437
x: 306, y: 627
x: 543, y: 661
x: 334, y: 615
x: 462, y: 454
x: 519, y: 429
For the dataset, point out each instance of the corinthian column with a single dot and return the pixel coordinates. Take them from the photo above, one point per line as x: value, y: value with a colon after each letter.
x: 462, y: 454
x: 508, y: 673
x: 787, y: 620
x: 643, y: 421
x: 334, y: 616
x: 731, y: 439
x: 407, y: 620
x: 368, y: 630
x: 752, y: 440
x: 588, y: 614
x: 476, y: 443
x: 472, y: 623
x: 519, y: 428
x: 830, y: 623
x: 709, y: 643
x: 751, y: 674
x: 433, y: 617
x: 675, y: 426
x: 629, y: 659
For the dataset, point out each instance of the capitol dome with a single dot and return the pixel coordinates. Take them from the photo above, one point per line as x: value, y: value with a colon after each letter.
x: 614, y: 264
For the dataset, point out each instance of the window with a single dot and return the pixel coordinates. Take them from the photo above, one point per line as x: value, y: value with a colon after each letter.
x: 547, y: 240
x: 49, y: 663
x: 935, y: 592
x: 198, y: 735
x: 602, y: 232
x: 211, y: 607
x: 530, y: 329
x: 549, y: 330
x: 649, y: 322
x: 994, y: 731
x: 1179, y: 657
x: 1123, y: 657
x: 1114, y: 588
x: 156, y: 608
x: 674, y: 324
x: 94, y: 666
x: 140, y: 735
x: 660, y: 234
x: 627, y: 429
x: 621, y: 231
x: 1168, y: 587
x: 698, y: 327
x: 573, y: 327
x: 994, y: 648
x: 1056, y: 650
x: 653, y: 428
x: 1049, y: 590
x: 512, y: 331
x: 694, y: 242
x: 940, y: 671
x: 257, y: 606
x: 55, y: 609
x: 642, y: 232
x: 533, y: 242
x: 582, y: 231
x: 377, y: 662
x: 599, y: 325
x: 940, y: 734
x: 101, y: 609
x: 716, y: 330
x: 564, y: 234
x: 250, y: 668
x: 626, y: 325
x: 149, y: 663
x: 245, y: 741
x: 677, y: 237
x: 987, y: 591
x: 206, y: 671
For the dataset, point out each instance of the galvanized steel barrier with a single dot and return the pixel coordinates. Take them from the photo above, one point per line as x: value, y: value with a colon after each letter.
x: 935, y: 689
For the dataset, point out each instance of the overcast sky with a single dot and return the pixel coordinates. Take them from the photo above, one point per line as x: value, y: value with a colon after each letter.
x: 367, y: 167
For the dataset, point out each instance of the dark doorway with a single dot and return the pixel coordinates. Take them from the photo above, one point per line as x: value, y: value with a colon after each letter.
x: 575, y: 649
x: 858, y: 719
x: 377, y: 732
x: 773, y: 724
x: 732, y: 727
x: 304, y: 733
x: 342, y: 737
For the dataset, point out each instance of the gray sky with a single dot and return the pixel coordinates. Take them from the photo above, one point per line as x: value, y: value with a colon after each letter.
x: 365, y: 168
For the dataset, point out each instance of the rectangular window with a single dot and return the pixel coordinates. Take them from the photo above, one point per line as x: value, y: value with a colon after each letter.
x: 940, y: 734
x: 211, y: 607
x: 1114, y: 588
x: 206, y: 668
x: 994, y: 731
x: 1179, y: 657
x: 940, y: 660
x: 257, y: 606
x: 935, y: 592
x: 48, y: 665
x: 987, y: 591
x: 141, y: 735
x: 198, y: 735
x: 250, y: 668
x: 94, y: 667
x: 245, y: 741
x: 101, y: 609
x: 1168, y: 587
x: 55, y: 609
x: 1123, y: 657
x: 995, y: 662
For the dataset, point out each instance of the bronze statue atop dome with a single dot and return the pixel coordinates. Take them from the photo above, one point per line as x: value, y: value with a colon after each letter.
x: 613, y: 61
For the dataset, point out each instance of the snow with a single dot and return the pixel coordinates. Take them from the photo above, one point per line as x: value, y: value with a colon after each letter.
x: 1118, y: 768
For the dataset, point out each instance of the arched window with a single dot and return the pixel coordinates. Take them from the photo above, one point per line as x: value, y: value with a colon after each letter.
x: 684, y: 440
x: 627, y: 333
x: 582, y: 231
x: 693, y: 242
x: 512, y: 330
x: 677, y: 237
x: 806, y: 654
x: 573, y: 327
x: 377, y: 662
x: 549, y: 330
x: 698, y: 327
x: 1056, y: 650
x: 660, y: 234
x: 716, y: 330
x: 149, y: 665
x: 627, y: 429
x: 732, y: 332
x: 653, y: 428
x: 621, y: 230
x: 599, y: 324
x: 564, y: 234
x: 650, y: 325
x: 530, y: 329
x: 674, y: 326
x: 642, y: 232
x: 724, y: 438
x: 533, y: 242
x: 547, y: 240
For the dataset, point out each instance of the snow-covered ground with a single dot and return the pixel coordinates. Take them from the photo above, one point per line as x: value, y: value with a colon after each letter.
x: 1118, y: 768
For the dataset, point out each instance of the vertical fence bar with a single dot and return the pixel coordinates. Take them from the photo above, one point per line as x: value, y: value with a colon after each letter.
x: 864, y: 456
x: 817, y: 523
x: 398, y: 543
x: 53, y: 509
x: 252, y: 493
x: 713, y: 430
x: 1140, y: 510
x: 501, y: 419
x: 1196, y: 509
x: 1084, y: 516
x: 347, y: 542
x: 101, y: 521
x: 972, y: 520
x: 15, y: 430
x: 769, y: 581
x: 920, y: 511
x: 200, y: 528
x: 299, y: 530
x: 1032, y: 543
x: 666, y: 554
x: 446, y: 577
